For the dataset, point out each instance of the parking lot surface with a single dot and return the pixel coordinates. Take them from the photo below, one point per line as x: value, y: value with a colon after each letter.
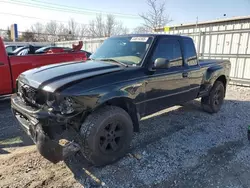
x: 178, y: 147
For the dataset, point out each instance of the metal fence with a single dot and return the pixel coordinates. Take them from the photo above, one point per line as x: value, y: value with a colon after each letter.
x: 30, y: 43
x: 89, y: 45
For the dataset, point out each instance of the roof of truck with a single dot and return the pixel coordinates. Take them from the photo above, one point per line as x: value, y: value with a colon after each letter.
x: 151, y: 35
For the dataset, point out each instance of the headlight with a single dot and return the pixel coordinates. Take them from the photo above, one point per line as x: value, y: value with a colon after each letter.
x: 19, y: 86
x: 66, y: 106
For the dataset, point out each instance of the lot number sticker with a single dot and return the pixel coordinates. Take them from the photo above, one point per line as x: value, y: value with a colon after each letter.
x: 139, y: 39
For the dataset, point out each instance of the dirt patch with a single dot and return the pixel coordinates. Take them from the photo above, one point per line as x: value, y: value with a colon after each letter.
x: 24, y: 167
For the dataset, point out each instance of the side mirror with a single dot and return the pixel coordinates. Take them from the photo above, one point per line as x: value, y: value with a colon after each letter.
x: 161, y: 63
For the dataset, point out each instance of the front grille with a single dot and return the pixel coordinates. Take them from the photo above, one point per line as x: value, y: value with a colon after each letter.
x: 31, y: 95
x: 28, y: 94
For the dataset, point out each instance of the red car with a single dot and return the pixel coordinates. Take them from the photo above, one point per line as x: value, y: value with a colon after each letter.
x: 12, y: 66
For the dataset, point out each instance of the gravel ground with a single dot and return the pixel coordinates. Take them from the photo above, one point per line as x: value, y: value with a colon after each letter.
x: 178, y: 147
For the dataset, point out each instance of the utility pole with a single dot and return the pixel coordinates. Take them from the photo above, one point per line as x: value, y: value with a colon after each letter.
x: 196, y: 27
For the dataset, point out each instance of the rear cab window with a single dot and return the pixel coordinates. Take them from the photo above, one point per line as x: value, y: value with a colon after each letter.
x: 190, y: 52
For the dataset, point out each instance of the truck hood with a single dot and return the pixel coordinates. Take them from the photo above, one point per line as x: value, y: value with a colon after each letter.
x: 52, y: 77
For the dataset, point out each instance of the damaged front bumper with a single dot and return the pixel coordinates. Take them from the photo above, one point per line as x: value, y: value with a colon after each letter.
x: 35, y: 123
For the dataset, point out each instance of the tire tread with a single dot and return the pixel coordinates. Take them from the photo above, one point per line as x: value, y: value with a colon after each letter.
x: 91, y: 122
x: 205, y: 101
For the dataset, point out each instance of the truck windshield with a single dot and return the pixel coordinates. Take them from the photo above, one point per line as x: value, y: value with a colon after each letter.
x: 128, y: 50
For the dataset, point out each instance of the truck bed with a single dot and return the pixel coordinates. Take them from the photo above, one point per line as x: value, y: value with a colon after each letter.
x: 208, y: 62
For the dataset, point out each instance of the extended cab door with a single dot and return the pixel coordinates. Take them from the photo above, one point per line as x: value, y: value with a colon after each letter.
x: 167, y: 86
x: 194, y: 72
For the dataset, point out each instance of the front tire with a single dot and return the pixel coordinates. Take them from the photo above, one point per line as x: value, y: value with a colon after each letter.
x: 213, y: 102
x: 106, y: 134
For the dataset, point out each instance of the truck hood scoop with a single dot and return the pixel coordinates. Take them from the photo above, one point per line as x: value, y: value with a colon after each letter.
x: 52, y: 77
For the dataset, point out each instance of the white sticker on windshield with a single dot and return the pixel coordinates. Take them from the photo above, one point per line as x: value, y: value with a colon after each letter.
x: 139, y: 39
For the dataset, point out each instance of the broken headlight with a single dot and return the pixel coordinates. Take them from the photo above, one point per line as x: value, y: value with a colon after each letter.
x: 66, y: 106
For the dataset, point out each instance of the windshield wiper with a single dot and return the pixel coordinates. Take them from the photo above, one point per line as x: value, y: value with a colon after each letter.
x: 113, y: 60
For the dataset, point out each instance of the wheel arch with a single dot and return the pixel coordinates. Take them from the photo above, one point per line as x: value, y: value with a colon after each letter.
x: 126, y: 104
x: 216, y: 73
x: 223, y: 79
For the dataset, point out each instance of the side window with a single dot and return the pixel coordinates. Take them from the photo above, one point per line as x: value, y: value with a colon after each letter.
x: 169, y: 49
x: 190, y: 52
x: 9, y: 49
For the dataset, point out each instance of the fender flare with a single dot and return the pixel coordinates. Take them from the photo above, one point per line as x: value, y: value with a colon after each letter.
x: 212, y: 74
x: 122, y: 100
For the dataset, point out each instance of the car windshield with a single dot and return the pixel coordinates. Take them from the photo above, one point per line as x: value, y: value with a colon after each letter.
x: 24, y: 52
x: 128, y: 50
x: 18, y: 49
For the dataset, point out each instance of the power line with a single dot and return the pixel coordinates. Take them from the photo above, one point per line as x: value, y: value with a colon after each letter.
x: 91, y: 10
x: 43, y: 7
x: 62, y: 9
x: 32, y: 17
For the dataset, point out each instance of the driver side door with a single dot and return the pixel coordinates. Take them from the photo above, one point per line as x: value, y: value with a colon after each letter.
x: 166, y: 87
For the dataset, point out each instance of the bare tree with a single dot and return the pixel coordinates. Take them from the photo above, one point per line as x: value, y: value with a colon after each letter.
x: 100, y: 27
x: 140, y: 30
x: 51, y: 30
x: 8, y: 34
x: 38, y: 30
x: 73, y: 28
x: 63, y: 32
x: 51, y: 27
x: 2, y: 33
x: 95, y: 27
x: 28, y: 36
x: 119, y: 29
x: 110, y: 25
x: 83, y: 31
x: 91, y: 29
x: 5, y: 34
x: 156, y: 15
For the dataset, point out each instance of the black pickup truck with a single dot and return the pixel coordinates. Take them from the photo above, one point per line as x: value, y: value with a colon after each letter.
x: 94, y: 107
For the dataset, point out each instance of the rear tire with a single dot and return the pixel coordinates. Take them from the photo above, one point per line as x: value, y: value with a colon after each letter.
x: 106, y: 134
x: 213, y: 102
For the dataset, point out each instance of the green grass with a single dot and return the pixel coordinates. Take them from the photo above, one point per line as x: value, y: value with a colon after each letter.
x: 15, y: 140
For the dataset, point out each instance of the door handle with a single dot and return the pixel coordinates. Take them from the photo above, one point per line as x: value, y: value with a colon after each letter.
x: 185, y: 74
x: 1, y: 63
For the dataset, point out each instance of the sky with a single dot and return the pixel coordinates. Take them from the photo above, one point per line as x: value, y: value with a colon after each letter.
x: 126, y: 11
